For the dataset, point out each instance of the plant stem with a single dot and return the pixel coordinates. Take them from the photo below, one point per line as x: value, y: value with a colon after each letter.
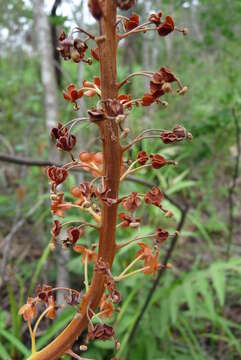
x: 86, y: 273
x: 112, y: 153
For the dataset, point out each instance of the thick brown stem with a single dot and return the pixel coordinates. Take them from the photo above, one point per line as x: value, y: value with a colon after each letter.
x: 112, y: 160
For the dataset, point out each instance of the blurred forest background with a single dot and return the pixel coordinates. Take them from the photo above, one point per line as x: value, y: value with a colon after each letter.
x: 195, y: 310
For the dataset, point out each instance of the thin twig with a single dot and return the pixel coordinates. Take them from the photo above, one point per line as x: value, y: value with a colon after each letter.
x: 233, y: 184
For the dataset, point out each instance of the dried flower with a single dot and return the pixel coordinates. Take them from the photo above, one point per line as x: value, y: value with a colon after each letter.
x: 100, y: 332
x: 129, y: 220
x: 28, y: 310
x: 155, y: 18
x: 147, y: 99
x: 44, y: 292
x: 142, y: 157
x: 106, y: 307
x: 132, y: 202
x: 73, y: 298
x: 161, y: 235
x: 153, y: 265
x: 58, y: 207
x: 72, y: 95
x: 90, y: 254
x: 168, y: 137
x: 74, y: 234
x: 51, y: 313
x: 166, y: 27
x: 145, y: 251
x: 95, y: 53
x: 132, y: 22
x: 56, y: 175
x: 96, y: 114
x: 159, y: 161
x: 66, y: 44
x: 56, y: 228
x: 154, y: 196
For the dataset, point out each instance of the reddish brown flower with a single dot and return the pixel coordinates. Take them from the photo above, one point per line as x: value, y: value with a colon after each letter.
x: 166, y: 27
x: 95, y: 53
x: 86, y: 253
x: 153, y: 265
x: 93, y: 87
x: 73, y: 298
x: 145, y: 251
x: 132, y: 22
x: 106, y: 307
x: 28, y: 310
x: 168, y: 137
x: 96, y: 114
x: 74, y: 234
x: 155, y: 18
x: 100, y: 332
x: 129, y: 220
x: 78, y: 52
x: 154, y: 196
x: 52, y: 307
x: 180, y: 132
x: 84, y: 193
x: 125, y: 4
x: 56, y: 228
x: 64, y: 141
x: 91, y: 162
x: 142, y: 157
x: 132, y: 202
x: 161, y: 235
x: 103, y: 196
x: 147, y: 99
x: 66, y: 44
x: 72, y: 95
x: 56, y: 175
x: 44, y: 292
x: 58, y: 207
x: 157, y: 161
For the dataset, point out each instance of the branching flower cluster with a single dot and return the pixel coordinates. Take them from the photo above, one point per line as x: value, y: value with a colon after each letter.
x: 99, y: 198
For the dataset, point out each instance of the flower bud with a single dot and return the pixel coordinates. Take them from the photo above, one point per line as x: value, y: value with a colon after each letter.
x: 83, y: 348
x: 183, y: 90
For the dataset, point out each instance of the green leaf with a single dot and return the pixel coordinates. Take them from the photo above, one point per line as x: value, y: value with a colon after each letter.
x: 204, y: 288
x: 219, y: 279
x: 14, y: 341
x: 3, y: 353
x: 190, y: 296
x: 180, y: 186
